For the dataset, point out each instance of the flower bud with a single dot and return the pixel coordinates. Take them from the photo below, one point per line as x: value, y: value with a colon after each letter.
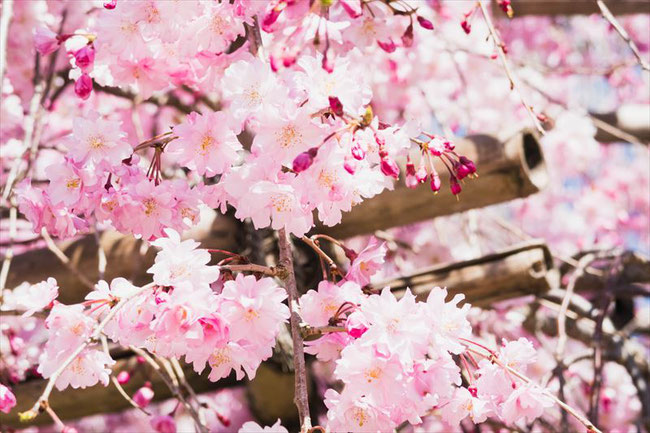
x: 407, y: 37
x: 421, y: 174
x: 304, y: 160
x: 83, y: 87
x: 110, y: 5
x: 468, y: 163
x: 389, y: 168
x: 46, y: 41
x: 350, y: 166
x: 356, y: 325
x: 425, y: 23
x: 223, y: 419
x: 123, y: 377
x: 335, y: 106
x: 163, y: 424
x: 357, y: 151
x: 85, y: 57
x: 411, y: 180
x: 435, y: 182
x: 454, y: 185
x: 7, y: 399
x: 388, y: 46
x: 272, y: 16
x: 467, y: 27
x: 144, y: 395
x: 68, y: 429
x: 352, y: 7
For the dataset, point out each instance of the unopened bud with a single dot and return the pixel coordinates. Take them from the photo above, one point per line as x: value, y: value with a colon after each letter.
x: 389, y: 168
x: 435, y: 182
x: 163, y: 424
x: 85, y: 57
x: 388, y: 46
x: 144, y: 395
x: 335, y: 106
x: 46, y: 41
x: 110, y: 5
x: 467, y: 27
x: 425, y: 23
x: 304, y: 160
x: 454, y: 185
x: 123, y: 377
x: 407, y: 37
x: 83, y: 87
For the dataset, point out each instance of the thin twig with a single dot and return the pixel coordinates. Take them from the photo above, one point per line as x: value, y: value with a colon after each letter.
x: 252, y: 267
x: 308, y: 331
x: 301, y: 397
x: 9, y: 254
x: 117, y: 384
x: 51, y: 245
x: 607, y: 14
x: 321, y: 253
x: 5, y: 20
x: 502, y: 55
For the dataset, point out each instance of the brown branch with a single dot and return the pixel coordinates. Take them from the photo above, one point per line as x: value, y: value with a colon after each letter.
x: 301, y: 396
x: 65, y: 260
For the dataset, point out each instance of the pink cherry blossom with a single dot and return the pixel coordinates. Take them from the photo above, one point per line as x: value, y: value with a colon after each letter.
x: 205, y: 144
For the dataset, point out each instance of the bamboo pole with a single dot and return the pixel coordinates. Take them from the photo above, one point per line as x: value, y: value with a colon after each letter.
x: 508, y: 169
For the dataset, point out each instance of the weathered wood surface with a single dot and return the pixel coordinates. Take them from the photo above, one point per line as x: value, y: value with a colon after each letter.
x: 77, y: 403
x: 521, y: 270
x: 577, y: 7
x: 517, y: 271
x: 633, y: 119
x: 508, y: 169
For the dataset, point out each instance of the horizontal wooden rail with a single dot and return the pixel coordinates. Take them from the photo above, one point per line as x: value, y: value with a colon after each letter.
x: 523, y: 8
x: 508, y: 169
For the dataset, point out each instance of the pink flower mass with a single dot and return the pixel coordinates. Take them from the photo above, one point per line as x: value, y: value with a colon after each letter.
x: 324, y: 216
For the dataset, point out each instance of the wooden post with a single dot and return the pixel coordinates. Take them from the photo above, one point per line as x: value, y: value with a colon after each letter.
x: 521, y: 270
x: 578, y: 7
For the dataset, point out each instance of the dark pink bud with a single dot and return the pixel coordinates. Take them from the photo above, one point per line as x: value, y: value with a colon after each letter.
x: 123, y: 377
x: 83, y: 87
x: 288, y: 60
x: 388, y: 46
x: 357, y: 151
x: 335, y: 106
x: 407, y: 37
x: 85, y: 57
x: 473, y: 391
x: 223, y: 419
x: 327, y: 63
x: 435, y: 182
x: 468, y: 163
x: 350, y: 166
x: 163, y: 424
x: 352, y: 7
x: 274, y: 63
x: 389, y: 168
x: 356, y: 325
x: 467, y: 27
x: 461, y: 170
x: 110, y: 5
x: 425, y: 23
x: 272, y: 16
x: 454, y: 185
x: 144, y: 395
x: 421, y: 174
x: 304, y: 160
